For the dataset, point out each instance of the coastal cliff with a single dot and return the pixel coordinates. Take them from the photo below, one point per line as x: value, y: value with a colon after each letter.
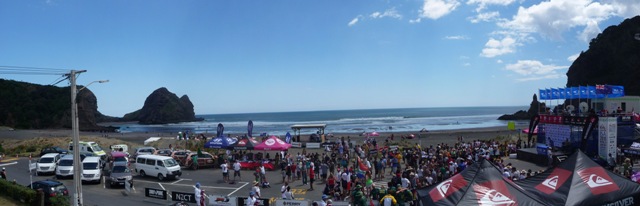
x: 613, y: 58
x: 32, y: 106
x: 162, y: 107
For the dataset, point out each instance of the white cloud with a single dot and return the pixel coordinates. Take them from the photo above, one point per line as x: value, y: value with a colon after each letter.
x: 552, y: 18
x: 392, y: 13
x: 354, y: 21
x: 590, y: 31
x: 434, y: 9
x: 499, y: 61
x: 466, y: 64
x: 457, y: 37
x: 625, y: 8
x: 573, y: 57
x: 535, y: 70
x: 413, y: 21
x: 495, y: 47
x: 486, y: 17
x: 482, y: 4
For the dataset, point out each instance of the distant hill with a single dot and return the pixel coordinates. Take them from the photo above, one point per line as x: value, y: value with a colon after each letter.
x: 162, y: 107
x: 32, y: 106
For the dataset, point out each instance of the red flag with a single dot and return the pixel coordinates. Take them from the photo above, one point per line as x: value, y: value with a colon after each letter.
x: 361, y: 165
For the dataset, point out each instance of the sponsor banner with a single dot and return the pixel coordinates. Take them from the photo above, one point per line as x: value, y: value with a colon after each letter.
x: 260, y: 201
x: 217, y: 200
x: 554, y: 180
x: 493, y: 193
x: 598, y: 181
x: 313, y: 145
x: 607, y: 137
x: 183, y: 197
x: 448, y: 187
x: 155, y: 193
x: 292, y: 203
x: 623, y: 202
x: 296, y: 144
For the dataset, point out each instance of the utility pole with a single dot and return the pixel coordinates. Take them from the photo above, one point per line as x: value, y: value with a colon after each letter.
x: 77, y: 164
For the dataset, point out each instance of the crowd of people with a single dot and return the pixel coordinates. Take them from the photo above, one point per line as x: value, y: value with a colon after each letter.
x: 349, y: 174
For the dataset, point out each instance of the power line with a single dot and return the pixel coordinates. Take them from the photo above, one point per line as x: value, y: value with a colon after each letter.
x: 32, y: 70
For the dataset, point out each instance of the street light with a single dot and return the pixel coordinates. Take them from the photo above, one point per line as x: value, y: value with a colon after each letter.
x: 77, y: 164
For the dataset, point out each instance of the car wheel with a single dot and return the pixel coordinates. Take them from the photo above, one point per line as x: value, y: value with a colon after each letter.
x: 160, y: 177
x: 142, y: 173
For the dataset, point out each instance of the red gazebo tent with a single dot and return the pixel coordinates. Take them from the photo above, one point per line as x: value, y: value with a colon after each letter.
x: 272, y: 143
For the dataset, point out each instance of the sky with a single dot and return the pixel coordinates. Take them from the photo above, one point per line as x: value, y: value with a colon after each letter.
x: 282, y: 55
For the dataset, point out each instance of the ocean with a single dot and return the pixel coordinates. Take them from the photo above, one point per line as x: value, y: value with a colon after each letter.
x: 342, y: 121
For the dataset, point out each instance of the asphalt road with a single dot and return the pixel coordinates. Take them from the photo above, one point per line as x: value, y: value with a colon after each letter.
x: 210, y: 179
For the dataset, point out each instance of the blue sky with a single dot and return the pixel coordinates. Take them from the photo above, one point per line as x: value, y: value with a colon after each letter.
x: 269, y: 56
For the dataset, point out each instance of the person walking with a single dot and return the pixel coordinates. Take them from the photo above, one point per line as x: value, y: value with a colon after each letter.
x: 312, y: 175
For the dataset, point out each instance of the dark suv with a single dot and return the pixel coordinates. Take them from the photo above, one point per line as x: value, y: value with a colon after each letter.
x: 48, y: 150
x: 50, y: 188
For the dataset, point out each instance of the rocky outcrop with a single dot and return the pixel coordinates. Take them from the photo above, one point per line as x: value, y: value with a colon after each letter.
x: 534, y: 108
x: 613, y: 58
x: 162, y: 107
x: 31, y: 106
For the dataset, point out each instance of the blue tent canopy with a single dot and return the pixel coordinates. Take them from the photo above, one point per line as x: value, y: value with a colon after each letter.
x: 220, y: 142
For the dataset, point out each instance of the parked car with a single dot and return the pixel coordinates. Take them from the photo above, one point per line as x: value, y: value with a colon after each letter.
x: 180, y: 155
x: 91, y: 170
x: 65, y: 167
x: 157, y: 166
x: 204, y: 160
x: 47, y: 163
x: 50, y: 188
x: 48, y: 150
x: 117, y: 157
x: 163, y: 152
x: 118, y: 174
x: 143, y: 151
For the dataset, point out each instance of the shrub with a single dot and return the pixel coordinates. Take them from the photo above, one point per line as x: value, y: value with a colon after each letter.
x: 60, y: 200
x: 17, y: 192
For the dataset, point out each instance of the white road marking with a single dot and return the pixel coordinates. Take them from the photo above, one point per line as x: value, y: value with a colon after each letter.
x: 245, y: 184
x: 161, y: 186
x: 186, y: 185
x: 176, y: 181
x: 7, y: 164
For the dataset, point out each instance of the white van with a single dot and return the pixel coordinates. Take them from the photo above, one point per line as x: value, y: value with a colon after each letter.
x: 47, y: 163
x: 65, y: 167
x: 157, y: 166
x: 118, y: 147
x: 91, y: 171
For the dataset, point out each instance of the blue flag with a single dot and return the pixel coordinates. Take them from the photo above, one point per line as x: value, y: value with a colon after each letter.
x: 543, y: 94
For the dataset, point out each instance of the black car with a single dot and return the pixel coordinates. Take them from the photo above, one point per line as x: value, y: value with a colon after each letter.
x: 48, y: 150
x: 50, y: 188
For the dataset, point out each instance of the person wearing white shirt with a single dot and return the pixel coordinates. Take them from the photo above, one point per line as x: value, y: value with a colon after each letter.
x: 225, y: 171
x: 283, y: 190
x: 198, y: 194
x: 256, y: 189
x: 251, y: 200
x: 289, y: 194
x: 236, y: 170
x: 405, y: 182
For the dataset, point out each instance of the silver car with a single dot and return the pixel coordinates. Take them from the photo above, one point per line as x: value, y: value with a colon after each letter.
x: 119, y: 174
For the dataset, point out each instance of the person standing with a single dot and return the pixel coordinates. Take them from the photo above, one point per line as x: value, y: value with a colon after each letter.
x: 4, y: 174
x: 289, y: 194
x: 236, y: 170
x: 256, y: 189
x: 225, y: 171
x: 312, y: 175
x: 198, y: 194
x: 194, y: 161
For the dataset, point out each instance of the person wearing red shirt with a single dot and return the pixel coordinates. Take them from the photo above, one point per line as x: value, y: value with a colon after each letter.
x: 311, y: 176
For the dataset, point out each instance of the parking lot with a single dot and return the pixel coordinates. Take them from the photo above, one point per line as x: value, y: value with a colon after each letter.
x: 210, y: 179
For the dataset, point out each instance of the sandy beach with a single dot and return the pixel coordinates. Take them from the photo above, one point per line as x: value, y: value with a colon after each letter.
x: 9, y: 137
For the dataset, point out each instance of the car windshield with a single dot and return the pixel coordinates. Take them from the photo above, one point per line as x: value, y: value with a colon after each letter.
x: 120, y: 159
x: 90, y: 165
x: 120, y: 169
x: 96, y: 147
x: 170, y: 163
x: 46, y: 160
x: 66, y: 162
